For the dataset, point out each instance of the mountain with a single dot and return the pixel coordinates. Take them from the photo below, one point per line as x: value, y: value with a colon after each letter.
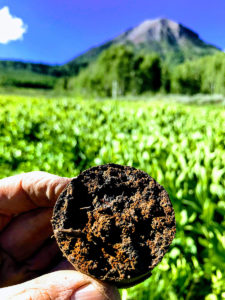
x: 174, y: 42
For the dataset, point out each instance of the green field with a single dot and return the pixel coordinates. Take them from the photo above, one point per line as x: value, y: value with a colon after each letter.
x: 181, y: 146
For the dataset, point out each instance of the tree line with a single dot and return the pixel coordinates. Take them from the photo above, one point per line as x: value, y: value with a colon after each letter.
x: 120, y: 71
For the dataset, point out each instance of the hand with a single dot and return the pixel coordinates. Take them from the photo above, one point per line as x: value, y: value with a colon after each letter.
x: 27, y: 249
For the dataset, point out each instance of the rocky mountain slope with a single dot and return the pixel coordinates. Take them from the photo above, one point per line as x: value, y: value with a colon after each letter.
x: 174, y: 42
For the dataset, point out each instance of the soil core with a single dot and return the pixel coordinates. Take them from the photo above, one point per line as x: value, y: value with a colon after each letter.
x: 114, y: 223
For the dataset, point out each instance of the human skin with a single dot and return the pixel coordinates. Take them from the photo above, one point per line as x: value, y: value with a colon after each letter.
x: 27, y: 249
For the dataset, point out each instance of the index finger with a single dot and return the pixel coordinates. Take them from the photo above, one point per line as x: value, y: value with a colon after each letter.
x: 23, y: 192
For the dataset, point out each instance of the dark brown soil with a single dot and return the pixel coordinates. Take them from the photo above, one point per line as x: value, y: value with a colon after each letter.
x: 114, y: 223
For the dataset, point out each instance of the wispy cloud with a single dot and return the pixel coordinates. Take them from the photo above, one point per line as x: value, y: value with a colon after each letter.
x: 11, y: 28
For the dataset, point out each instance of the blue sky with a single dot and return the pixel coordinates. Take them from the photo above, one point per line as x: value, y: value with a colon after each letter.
x: 55, y: 31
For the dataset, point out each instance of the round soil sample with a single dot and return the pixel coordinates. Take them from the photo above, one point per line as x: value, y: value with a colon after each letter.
x: 114, y: 223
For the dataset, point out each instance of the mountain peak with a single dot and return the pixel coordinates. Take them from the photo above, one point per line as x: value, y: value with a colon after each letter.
x: 158, y: 30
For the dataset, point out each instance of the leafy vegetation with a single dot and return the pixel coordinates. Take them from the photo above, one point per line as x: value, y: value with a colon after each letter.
x: 181, y: 146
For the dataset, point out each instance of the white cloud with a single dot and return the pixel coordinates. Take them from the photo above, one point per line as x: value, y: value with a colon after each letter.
x: 11, y: 28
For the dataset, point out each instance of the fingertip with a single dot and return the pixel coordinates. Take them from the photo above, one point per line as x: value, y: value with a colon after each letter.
x: 96, y: 290
x: 90, y: 292
x: 44, y: 188
x: 55, y: 187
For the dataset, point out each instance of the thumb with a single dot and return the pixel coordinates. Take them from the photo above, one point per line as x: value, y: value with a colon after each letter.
x: 61, y: 285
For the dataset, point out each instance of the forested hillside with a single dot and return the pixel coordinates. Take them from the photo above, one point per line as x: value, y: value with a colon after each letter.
x: 29, y: 75
x: 135, y: 74
x: 205, y: 75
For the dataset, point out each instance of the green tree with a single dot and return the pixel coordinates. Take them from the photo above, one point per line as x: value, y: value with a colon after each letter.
x: 166, y: 78
x: 147, y: 73
x: 186, y: 78
x: 116, y: 65
x: 213, y: 77
x: 205, y: 75
x: 113, y: 70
